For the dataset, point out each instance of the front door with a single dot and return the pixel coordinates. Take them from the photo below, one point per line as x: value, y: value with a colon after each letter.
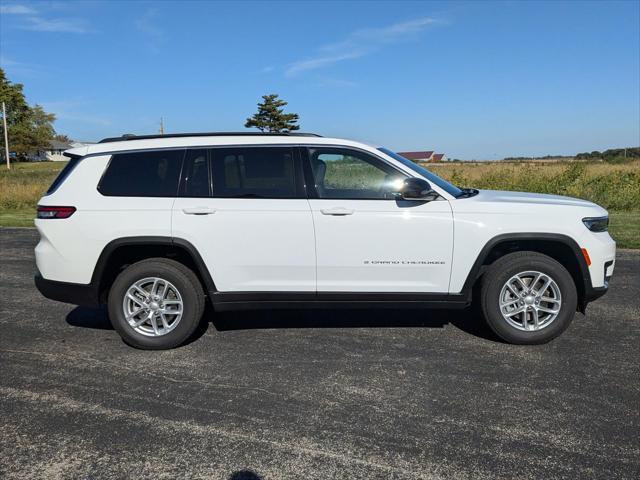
x: 245, y: 211
x: 366, y: 239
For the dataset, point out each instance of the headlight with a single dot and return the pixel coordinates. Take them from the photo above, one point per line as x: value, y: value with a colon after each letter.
x: 596, y: 224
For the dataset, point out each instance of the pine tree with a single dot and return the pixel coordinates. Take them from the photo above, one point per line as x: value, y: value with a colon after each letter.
x: 271, y: 117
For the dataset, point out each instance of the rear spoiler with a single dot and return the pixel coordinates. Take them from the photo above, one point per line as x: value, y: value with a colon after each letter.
x: 76, y: 152
x: 71, y: 155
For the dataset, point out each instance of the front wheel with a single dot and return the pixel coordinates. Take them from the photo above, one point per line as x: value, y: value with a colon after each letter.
x: 528, y: 298
x: 156, y: 304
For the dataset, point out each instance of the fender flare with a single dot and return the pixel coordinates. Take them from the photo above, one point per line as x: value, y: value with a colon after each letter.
x: 152, y: 240
x: 475, y: 271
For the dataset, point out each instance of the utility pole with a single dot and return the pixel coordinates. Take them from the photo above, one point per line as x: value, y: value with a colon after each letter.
x: 161, y: 126
x: 6, y: 136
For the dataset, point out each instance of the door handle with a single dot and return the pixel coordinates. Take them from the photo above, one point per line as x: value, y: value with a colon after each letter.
x: 199, y: 210
x: 337, y: 211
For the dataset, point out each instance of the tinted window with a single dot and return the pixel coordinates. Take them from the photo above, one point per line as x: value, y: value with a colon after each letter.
x: 195, y: 175
x: 143, y: 174
x: 351, y: 174
x: 254, y: 172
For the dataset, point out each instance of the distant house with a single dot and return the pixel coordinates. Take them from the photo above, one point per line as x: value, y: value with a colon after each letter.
x: 51, y: 154
x: 54, y: 153
x: 426, y: 156
x: 417, y: 156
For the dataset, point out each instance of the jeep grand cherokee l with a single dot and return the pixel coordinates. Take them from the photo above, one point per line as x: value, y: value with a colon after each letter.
x: 152, y: 226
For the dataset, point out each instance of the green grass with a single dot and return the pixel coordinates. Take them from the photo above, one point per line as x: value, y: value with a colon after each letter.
x: 624, y: 227
x: 23, y: 185
x: 17, y: 218
x: 615, y: 187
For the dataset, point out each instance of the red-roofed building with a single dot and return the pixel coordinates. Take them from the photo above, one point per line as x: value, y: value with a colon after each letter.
x: 417, y: 156
x: 427, y: 156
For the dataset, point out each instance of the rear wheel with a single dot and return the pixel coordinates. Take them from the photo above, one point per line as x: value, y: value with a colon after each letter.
x: 528, y: 298
x: 156, y: 304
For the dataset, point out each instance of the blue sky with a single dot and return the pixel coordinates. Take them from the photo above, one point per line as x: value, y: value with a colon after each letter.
x: 470, y: 79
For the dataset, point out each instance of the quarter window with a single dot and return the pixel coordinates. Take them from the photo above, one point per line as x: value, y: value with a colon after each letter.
x: 351, y: 174
x: 254, y: 172
x: 64, y: 173
x: 143, y: 174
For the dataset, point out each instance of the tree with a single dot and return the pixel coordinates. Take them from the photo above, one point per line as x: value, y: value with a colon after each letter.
x: 11, y: 94
x: 271, y: 117
x: 30, y: 129
x: 62, y: 138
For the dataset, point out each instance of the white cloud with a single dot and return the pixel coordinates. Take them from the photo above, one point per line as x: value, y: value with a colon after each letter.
x: 16, y: 10
x: 360, y: 43
x: 66, y: 25
x: 34, y: 20
x: 322, y: 61
x: 336, y: 82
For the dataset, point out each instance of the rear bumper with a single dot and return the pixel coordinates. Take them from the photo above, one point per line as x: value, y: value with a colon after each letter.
x: 74, y: 293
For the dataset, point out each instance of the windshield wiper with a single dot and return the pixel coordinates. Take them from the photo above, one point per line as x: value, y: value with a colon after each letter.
x: 467, y: 192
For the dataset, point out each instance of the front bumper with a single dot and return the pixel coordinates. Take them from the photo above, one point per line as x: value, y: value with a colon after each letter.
x: 593, y: 293
x: 74, y: 293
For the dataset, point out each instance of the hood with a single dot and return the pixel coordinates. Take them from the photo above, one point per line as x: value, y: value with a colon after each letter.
x: 520, y: 203
x: 498, y: 196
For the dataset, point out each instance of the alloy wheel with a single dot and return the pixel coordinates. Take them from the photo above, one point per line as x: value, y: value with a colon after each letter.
x: 152, y: 306
x: 530, y: 301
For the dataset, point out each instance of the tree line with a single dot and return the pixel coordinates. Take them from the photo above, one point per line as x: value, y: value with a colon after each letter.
x: 611, y: 155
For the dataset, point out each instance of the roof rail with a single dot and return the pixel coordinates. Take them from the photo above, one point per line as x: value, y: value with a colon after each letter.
x: 130, y: 136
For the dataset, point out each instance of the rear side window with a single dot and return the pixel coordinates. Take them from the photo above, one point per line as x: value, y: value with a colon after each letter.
x: 143, y: 174
x: 64, y: 173
x: 254, y: 172
x: 196, y: 180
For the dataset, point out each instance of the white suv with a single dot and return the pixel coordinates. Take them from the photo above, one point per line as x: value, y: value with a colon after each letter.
x: 154, y: 225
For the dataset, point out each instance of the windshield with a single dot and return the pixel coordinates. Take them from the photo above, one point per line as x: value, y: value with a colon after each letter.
x: 432, y: 177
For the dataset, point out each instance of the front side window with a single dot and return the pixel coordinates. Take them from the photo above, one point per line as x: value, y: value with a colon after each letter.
x: 254, y: 172
x: 432, y: 177
x: 351, y: 174
x: 143, y: 174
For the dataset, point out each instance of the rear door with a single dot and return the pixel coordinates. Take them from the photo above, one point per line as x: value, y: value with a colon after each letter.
x: 245, y: 210
x: 366, y: 239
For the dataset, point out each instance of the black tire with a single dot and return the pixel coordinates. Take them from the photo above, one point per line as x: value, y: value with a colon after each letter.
x: 186, y: 283
x: 501, y: 271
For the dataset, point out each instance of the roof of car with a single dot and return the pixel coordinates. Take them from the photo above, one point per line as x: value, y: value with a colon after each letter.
x: 185, y: 140
x: 129, y: 136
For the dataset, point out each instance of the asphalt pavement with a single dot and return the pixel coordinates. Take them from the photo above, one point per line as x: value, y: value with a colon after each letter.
x: 304, y: 394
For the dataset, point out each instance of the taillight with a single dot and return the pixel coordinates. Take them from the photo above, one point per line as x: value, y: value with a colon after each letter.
x: 55, y: 212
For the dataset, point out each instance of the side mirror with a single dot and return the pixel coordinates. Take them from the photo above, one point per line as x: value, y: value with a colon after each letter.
x: 417, y: 189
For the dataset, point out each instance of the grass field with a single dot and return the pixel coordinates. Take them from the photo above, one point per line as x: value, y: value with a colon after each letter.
x: 615, y: 187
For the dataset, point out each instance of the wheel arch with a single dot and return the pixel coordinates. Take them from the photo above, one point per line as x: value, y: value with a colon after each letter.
x: 121, y: 252
x: 561, y: 248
